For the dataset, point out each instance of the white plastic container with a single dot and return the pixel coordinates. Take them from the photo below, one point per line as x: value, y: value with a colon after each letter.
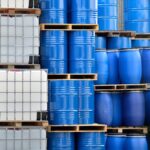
x: 14, y: 3
x: 25, y: 138
x: 19, y: 38
x: 23, y: 94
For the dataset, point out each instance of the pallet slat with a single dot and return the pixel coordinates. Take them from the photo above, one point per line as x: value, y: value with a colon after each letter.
x: 23, y: 123
x: 121, y: 87
x: 116, y: 33
x: 142, y: 35
x: 141, y: 130
x: 19, y: 66
x: 69, y: 27
x: 72, y: 77
x: 77, y: 128
x: 14, y: 11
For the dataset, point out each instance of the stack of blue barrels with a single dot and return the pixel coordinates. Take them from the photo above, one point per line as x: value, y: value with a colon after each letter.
x: 123, y: 60
x: 71, y: 102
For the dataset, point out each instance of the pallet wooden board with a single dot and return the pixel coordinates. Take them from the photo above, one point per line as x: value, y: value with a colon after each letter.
x: 78, y: 128
x: 72, y: 77
x: 24, y: 123
x: 115, y: 33
x: 19, y: 66
x: 142, y: 35
x: 14, y: 11
x: 69, y: 27
x: 120, y: 87
x: 142, y: 130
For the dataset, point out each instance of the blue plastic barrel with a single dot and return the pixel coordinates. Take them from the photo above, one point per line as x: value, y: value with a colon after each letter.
x: 148, y: 141
x: 61, y: 141
x: 118, y: 42
x: 63, y: 102
x: 145, y: 54
x: 84, y: 11
x: 100, y: 42
x: 113, y: 67
x: 53, y: 11
x: 108, y: 14
x: 130, y: 66
x: 53, y: 51
x: 91, y: 141
x: 86, y: 102
x: 137, y: 15
x: 136, y: 142
x: 82, y: 52
x: 101, y: 66
x: 117, y: 109
x: 133, y: 108
x: 147, y: 107
x: 115, y: 142
x: 140, y: 43
x: 103, y: 108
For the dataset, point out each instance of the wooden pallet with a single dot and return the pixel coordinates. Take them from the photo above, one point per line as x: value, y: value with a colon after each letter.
x: 69, y: 27
x: 78, y: 128
x: 19, y: 66
x: 15, y: 11
x: 120, y: 87
x: 142, y: 35
x: 23, y: 123
x: 115, y: 33
x: 72, y: 77
x: 141, y: 130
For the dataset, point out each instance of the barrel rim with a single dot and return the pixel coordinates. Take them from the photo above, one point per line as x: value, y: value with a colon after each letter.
x: 100, y: 50
x: 145, y: 48
x: 128, y: 49
x: 134, y: 91
x: 113, y: 50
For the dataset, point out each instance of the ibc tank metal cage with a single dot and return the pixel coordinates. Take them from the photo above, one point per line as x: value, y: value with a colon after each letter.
x: 19, y: 3
x: 23, y: 95
x: 19, y: 39
x: 24, y: 138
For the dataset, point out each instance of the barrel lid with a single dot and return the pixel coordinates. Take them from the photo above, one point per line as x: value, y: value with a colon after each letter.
x: 129, y: 49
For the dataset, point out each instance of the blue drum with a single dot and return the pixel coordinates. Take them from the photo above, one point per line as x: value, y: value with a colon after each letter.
x: 137, y: 16
x: 145, y: 54
x: 136, y: 142
x: 117, y: 109
x: 86, y: 102
x: 140, y: 43
x: 60, y: 141
x: 82, y: 52
x: 103, y: 100
x: 63, y: 102
x: 147, y: 107
x: 130, y: 66
x: 108, y: 14
x: 133, y: 108
x: 53, y: 11
x: 113, y: 67
x: 101, y: 66
x: 100, y: 42
x: 115, y: 142
x: 53, y: 51
x: 118, y: 42
x: 84, y: 11
x: 91, y: 141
